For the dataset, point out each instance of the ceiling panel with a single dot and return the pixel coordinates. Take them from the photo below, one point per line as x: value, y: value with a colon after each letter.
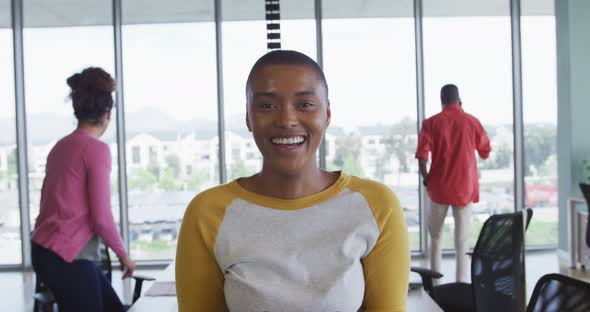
x: 64, y: 13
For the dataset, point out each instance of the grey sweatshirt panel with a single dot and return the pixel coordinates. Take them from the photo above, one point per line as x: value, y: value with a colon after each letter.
x: 296, y: 260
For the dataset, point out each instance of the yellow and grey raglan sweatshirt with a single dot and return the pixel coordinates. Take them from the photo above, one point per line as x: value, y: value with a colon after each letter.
x: 343, y: 249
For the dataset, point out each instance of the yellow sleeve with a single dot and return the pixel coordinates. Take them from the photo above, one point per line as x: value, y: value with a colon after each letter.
x: 199, y: 279
x: 387, y: 267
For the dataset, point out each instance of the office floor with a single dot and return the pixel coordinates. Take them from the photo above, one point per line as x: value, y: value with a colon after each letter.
x: 16, y: 288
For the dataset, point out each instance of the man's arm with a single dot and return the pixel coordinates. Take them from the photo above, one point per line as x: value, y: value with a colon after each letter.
x: 483, y: 145
x: 423, y: 171
x: 424, y: 147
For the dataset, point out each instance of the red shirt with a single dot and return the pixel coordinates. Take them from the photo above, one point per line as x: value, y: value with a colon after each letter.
x: 453, y: 136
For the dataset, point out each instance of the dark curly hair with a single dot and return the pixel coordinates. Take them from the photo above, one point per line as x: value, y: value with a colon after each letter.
x: 91, y: 94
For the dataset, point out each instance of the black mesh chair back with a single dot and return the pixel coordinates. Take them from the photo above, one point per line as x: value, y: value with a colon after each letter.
x: 556, y: 292
x: 497, y: 265
x: 104, y: 260
x: 586, y: 192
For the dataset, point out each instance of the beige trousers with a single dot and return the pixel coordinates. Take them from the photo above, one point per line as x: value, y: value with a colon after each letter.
x: 436, y: 219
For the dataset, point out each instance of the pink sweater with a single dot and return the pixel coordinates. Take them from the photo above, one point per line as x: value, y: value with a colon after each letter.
x: 75, y: 199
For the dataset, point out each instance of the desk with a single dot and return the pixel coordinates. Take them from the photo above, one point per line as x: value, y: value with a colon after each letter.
x: 163, y: 303
x: 418, y: 299
x: 573, y: 226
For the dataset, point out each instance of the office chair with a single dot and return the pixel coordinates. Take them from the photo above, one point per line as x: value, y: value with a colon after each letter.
x: 556, y: 292
x: 586, y: 192
x: 45, y: 300
x: 497, y: 270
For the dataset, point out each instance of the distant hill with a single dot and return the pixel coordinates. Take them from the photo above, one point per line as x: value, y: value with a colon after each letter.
x: 41, y: 128
x: 44, y: 127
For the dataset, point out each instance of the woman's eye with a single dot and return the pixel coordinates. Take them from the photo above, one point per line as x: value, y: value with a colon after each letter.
x: 265, y: 106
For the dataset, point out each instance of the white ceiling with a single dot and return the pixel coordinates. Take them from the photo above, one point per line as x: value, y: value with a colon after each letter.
x: 62, y: 13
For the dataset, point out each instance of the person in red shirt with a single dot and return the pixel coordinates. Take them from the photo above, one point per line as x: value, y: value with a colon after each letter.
x: 452, y: 137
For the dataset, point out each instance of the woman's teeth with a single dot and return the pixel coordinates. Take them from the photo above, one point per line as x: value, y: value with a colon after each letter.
x: 290, y: 140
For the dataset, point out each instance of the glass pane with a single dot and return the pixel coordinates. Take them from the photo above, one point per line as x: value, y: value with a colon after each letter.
x: 171, y: 125
x: 370, y: 68
x: 298, y: 27
x: 457, y: 51
x: 540, y: 123
x: 10, y: 241
x: 58, y: 43
x: 244, y: 41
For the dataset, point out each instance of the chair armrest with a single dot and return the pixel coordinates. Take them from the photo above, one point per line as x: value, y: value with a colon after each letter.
x: 426, y: 272
x: 143, y: 278
x: 427, y: 276
x: 139, y: 279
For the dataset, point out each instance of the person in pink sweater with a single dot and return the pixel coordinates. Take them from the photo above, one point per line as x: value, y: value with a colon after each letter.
x: 75, y: 210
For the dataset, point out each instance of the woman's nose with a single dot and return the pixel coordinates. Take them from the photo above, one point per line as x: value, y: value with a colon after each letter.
x: 286, y: 118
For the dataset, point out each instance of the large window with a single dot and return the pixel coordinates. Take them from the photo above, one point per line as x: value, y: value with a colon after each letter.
x: 471, y: 47
x: 370, y: 68
x: 369, y: 57
x: 9, y: 212
x: 244, y: 41
x: 171, y: 119
x: 58, y: 43
x: 540, y: 122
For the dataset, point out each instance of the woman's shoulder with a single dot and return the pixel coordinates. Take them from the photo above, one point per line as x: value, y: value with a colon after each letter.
x: 96, y: 144
x: 371, y: 186
x: 212, y: 193
x: 82, y: 140
x: 379, y: 196
x: 80, y: 146
x: 96, y: 151
x: 214, y: 198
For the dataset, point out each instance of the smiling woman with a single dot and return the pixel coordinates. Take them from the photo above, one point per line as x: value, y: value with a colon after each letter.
x: 292, y: 237
x: 287, y: 103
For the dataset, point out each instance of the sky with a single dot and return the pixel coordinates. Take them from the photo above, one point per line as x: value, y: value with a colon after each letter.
x: 369, y: 64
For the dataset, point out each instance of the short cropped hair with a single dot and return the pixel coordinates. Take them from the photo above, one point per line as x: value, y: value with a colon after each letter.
x: 286, y: 57
x: 449, y: 94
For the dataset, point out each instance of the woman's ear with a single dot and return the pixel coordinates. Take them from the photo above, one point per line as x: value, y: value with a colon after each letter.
x: 328, y: 115
x: 248, y: 122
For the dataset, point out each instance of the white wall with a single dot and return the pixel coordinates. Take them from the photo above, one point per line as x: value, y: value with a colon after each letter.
x: 573, y: 81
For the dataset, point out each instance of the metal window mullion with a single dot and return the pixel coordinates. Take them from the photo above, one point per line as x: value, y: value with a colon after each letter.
x: 21, y: 131
x: 120, y: 107
x: 220, y: 100
x: 320, y: 60
x: 518, y: 127
x: 418, y: 35
x: 517, y: 105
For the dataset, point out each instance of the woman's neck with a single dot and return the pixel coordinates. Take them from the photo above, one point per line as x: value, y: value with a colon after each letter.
x: 94, y: 129
x: 273, y: 184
